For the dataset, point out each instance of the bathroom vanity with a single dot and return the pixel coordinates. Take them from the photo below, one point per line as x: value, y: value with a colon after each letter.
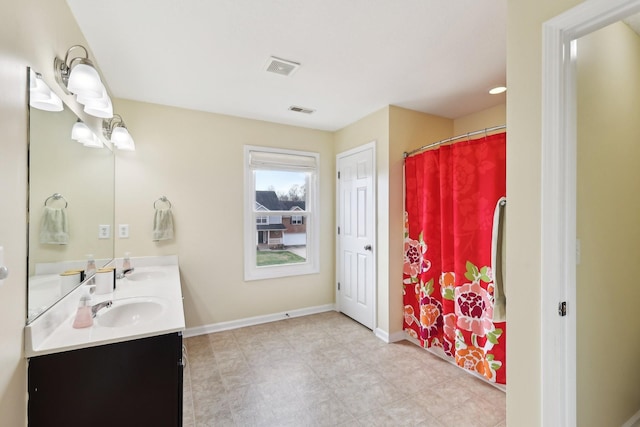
x: 130, y: 383
x: 124, y: 370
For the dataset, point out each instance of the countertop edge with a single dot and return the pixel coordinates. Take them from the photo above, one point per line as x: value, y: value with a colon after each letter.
x: 54, y: 350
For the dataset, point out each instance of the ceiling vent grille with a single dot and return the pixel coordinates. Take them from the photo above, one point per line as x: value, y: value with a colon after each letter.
x: 301, y: 109
x: 281, y: 66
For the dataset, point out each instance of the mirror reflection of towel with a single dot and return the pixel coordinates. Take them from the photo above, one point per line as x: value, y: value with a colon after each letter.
x: 54, y: 229
x: 162, y: 225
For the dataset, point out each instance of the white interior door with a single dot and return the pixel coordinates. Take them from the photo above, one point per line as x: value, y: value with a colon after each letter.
x: 356, y: 234
x: 558, y: 226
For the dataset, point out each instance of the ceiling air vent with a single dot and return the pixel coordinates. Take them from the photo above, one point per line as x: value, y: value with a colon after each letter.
x: 281, y: 66
x: 301, y: 109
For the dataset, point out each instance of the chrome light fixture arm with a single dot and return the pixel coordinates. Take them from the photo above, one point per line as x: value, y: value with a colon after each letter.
x: 115, y: 130
x: 108, y: 125
x: 62, y: 67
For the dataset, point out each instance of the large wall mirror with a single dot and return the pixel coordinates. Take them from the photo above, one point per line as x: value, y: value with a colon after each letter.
x: 71, y: 199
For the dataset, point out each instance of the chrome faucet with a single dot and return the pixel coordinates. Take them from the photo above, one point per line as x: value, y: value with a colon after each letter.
x: 96, y: 307
x: 121, y: 275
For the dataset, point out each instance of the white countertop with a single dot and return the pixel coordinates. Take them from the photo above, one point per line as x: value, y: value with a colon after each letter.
x: 52, y: 332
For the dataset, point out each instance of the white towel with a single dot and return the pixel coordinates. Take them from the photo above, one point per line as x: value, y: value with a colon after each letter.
x: 162, y: 225
x: 54, y: 229
x: 497, y: 262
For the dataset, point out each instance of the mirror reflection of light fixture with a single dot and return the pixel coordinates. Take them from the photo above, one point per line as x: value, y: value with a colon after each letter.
x: 116, y: 131
x: 81, y: 133
x: 41, y: 96
x: 97, y: 107
x: 79, y: 77
x: 94, y: 142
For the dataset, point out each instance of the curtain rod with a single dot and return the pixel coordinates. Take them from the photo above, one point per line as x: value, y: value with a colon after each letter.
x: 444, y: 141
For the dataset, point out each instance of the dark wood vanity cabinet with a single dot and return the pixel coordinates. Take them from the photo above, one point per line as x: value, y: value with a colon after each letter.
x: 132, y: 383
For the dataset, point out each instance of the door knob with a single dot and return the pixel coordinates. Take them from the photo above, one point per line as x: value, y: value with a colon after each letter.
x: 368, y: 248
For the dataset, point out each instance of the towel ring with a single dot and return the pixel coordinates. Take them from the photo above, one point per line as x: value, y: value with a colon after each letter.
x: 162, y: 199
x: 57, y: 196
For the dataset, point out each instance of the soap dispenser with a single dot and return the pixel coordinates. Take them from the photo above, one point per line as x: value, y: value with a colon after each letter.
x: 126, y: 262
x: 84, y: 317
x: 91, y: 266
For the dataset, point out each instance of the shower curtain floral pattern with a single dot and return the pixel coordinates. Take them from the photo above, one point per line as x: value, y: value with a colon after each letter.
x: 451, y: 195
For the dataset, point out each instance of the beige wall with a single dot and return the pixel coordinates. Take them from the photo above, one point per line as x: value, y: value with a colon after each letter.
x: 608, y: 218
x: 524, y: 105
x: 196, y: 160
x: 494, y: 116
x: 32, y: 33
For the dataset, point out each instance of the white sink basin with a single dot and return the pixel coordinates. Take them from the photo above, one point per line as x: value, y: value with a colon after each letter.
x: 131, y: 311
x: 144, y: 275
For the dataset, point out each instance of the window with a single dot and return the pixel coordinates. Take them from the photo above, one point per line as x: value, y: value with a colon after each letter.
x: 278, y: 181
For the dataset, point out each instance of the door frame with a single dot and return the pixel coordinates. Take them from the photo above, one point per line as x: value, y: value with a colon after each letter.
x: 374, y: 170
x: 558, y: 201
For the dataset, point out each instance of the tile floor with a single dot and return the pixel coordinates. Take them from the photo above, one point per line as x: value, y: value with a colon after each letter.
x: 327, y: 370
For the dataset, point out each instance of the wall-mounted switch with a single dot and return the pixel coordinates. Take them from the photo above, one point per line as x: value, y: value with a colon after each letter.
x: 123, y: 231
x: 104, y: 231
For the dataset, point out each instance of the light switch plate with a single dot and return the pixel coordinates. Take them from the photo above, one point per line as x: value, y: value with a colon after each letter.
x: 104, y: 231
x: 123, y: 231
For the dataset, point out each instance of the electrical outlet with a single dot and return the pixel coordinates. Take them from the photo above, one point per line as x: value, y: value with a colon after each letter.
x: 123, y: 231
x: 104, y: 231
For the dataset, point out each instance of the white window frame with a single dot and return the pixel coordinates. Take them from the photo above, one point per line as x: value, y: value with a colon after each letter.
x: 262, y: 219
x: 269, y: 160
x: 296, y: 219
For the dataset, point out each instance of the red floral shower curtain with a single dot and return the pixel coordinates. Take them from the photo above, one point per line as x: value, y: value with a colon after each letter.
x: 451, y: 198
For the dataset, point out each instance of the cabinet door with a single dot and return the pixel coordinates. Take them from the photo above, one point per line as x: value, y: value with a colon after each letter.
x: 132, y: 383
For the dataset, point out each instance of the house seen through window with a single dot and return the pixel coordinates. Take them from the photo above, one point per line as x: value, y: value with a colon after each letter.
x: 279, y: 242
x: 281, y: 199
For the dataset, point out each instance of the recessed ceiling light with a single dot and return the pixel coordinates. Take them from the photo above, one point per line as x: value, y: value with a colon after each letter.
x: 497, y: 90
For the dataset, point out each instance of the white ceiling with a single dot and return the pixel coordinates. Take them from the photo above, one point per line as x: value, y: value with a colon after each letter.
x: 438, y: 57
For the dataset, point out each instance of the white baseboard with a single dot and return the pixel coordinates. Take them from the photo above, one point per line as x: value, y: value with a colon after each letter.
x: 394, y: 337
x: 257, y: 320
x: 383, y: 335
x: 631, y: 422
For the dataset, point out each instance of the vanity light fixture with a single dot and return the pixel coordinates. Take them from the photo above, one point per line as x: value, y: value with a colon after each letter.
x: 116, y: 131
x: 97, y: 107
x: 81, y: 133
x: 41, y: 96
x: 78, y: 76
